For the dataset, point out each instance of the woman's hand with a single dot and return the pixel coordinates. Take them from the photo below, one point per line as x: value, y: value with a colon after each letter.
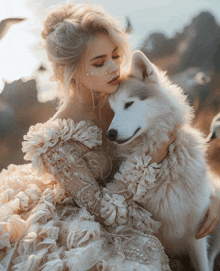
x: 211, y: 219
x: 162, y: 152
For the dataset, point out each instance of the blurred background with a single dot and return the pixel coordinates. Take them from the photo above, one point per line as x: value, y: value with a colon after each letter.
x: 182, y: 37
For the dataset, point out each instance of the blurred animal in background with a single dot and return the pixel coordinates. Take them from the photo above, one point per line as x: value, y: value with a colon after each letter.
x: 196, y: 83
x: 213, y: 150
x: 6, y: 24
x: 215, y: 129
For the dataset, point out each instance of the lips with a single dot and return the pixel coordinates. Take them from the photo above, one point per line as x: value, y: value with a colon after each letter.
x: 114, y: 81
x: 125, y: 140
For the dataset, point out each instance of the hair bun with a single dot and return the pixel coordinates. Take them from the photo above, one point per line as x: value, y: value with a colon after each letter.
x: 55, y: 18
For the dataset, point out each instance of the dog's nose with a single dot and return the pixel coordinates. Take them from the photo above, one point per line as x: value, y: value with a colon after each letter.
x: 112, y: 134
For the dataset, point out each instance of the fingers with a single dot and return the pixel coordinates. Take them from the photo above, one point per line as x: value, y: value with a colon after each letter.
x: 211, y: 219
x: 161, y: 153
x: 206, y: 230
x: 172, y: 138
x: 209, y: 226
x: 203, y: 226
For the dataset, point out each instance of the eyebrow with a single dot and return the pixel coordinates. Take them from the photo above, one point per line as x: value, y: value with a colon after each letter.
x: 101, y: 56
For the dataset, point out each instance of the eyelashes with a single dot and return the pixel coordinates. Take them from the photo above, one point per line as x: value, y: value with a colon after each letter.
x: 115, y: 57
x: 98, y: 65
x: 102, y: 63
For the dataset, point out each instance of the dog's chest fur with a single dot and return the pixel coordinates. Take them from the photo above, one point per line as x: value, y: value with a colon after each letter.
x: 181, y: 195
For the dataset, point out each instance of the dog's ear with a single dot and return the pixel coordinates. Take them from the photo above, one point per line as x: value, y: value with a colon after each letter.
x: 142, y: 68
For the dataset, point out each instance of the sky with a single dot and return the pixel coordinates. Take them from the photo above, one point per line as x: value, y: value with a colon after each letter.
x: 21, y: 51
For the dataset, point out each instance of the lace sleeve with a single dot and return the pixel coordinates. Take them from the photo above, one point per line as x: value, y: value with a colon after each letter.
x: 72, y: 154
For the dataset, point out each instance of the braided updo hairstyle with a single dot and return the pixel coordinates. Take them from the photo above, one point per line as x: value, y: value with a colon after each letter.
x: 67, y: 32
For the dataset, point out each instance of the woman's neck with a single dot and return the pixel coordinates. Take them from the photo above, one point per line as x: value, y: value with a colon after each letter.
x: 86, y: 97
x: 85, y: 105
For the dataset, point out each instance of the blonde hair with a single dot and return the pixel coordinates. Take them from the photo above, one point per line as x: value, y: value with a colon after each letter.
x: 67, y: 32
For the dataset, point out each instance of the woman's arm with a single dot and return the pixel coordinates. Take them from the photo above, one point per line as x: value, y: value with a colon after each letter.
x: 71, y: 152
x: 76, y: 168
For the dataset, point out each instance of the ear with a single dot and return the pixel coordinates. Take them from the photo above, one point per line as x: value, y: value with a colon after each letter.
x: 142, y: 68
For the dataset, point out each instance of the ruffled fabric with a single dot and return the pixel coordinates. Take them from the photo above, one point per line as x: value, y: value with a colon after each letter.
x: 140, y: 219
x: 27, y: 202
x: 135, y: 176
x: 53, y: 229
x: 114, y: 209
x: 82, y: 230
x: 138, y: 175
x: 42, y: 136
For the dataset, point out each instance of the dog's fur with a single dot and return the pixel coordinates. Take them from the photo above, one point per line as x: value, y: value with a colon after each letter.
x: 182, y: 196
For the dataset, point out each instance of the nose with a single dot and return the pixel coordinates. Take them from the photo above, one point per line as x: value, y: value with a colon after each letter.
x: 112, y: 134
x: 113, y: 67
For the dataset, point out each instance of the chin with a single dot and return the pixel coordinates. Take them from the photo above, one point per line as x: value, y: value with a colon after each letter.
x: 108, y: 89
x: 112, y: 89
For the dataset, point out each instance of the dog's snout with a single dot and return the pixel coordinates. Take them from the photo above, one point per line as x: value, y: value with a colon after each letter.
x: 112, y: 134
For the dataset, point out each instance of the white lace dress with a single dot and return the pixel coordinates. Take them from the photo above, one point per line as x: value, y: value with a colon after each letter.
x: 54, y: 215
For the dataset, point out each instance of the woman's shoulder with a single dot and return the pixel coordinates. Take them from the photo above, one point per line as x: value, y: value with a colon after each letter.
x: 75, y: 112
x: 69, y: 111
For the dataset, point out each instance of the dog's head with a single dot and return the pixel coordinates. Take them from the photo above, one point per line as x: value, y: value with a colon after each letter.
x: 146, y: 100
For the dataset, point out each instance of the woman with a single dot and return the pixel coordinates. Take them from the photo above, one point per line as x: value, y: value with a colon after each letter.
x: 41, y: 227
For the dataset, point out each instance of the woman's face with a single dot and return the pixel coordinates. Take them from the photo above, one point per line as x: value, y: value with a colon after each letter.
x: 101, y: 64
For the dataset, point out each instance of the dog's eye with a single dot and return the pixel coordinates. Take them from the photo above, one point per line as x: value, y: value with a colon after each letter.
x: 128, y: 104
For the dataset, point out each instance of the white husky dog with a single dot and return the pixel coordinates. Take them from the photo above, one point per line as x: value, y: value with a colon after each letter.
x: 148, y: 107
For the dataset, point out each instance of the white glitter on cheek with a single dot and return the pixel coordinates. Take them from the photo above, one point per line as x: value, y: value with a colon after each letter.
x: 98, y: 72
x: 95, y: 73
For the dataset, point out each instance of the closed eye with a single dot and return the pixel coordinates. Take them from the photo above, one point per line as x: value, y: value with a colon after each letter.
x: 128, y: 104
x: 115, y: 57
x: 99, y: 63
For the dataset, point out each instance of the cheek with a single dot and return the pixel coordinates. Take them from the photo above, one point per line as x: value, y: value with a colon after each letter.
x: 95, y: 82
